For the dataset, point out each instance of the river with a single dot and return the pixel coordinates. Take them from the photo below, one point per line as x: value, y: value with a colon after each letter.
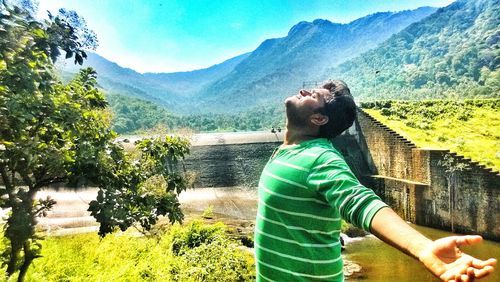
x: 380, y: 262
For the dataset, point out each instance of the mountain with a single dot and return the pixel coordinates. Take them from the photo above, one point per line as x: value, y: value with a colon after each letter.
x: 171, y: 90
x: 452, y: 53
x: 114, y: 78
x: 261, y: 77
x: 281, y: 65
x: 191, y: 82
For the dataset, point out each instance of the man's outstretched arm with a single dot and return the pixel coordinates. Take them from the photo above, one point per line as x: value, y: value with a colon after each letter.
x: 442, y: 257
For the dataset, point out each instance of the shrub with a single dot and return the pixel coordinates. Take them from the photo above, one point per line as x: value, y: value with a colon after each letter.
x: 194, y: 235
x: 220, y: 260
x: 205, y: 253
x: 193, y: 252
x: 208, y: 213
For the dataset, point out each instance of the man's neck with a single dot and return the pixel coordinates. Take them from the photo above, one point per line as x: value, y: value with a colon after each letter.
x: 294, y: 136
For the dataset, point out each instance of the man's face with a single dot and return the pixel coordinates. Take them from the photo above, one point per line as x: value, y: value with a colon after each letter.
x: 300, y: 107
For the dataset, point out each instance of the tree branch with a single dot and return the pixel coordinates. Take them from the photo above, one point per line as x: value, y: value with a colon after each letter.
x: 47, y: 182
x: 5, y: 179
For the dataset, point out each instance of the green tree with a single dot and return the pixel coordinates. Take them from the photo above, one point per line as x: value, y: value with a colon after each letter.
x: 140, y: 189
x: 40, y: 126
x: 56, y: 133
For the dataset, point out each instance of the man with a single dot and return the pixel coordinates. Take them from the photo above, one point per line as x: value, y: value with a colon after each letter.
x: 306, y: 189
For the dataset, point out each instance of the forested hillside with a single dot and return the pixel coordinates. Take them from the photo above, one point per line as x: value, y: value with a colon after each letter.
x: 170, y: 90
x: 266, y: 75
x: 452, y: 53
x: 279, y: 66
x: 133, y: 115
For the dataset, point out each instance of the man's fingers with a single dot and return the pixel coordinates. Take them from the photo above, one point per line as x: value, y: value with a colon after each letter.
x: 462, y: 278
x: 468, y: 240
x: 480, y: 273
x: 477, y: 263
x: 454, y: 273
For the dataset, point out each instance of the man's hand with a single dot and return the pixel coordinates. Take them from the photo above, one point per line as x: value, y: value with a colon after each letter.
x: 444, y: 259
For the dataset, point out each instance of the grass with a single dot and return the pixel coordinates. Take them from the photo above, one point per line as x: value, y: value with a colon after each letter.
x: 477, y: 136
x: 193, y: 252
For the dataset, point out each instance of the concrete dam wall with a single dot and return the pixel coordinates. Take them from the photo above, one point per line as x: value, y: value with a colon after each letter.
x: 421, y: 185
x: 237, y: 159
x: 435, y: 188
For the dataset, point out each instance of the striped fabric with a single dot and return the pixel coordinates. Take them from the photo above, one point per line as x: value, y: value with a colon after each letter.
x: 304, y: 192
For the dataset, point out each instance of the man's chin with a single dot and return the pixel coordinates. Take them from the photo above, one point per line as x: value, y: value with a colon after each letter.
x: 289, y: 100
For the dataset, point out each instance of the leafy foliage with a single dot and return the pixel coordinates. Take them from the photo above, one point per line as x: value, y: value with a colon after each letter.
x: 140, y: 189
x: 69, y: 32
x: 453, y: 53
x: 44, y: 126
x: 194, y: 236
x: 125, y: 257
x: 470, y: 127
x: 52, y: 132
x: 132, y: 115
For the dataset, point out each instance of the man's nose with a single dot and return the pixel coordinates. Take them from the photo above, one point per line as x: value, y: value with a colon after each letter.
x: 304, y: 92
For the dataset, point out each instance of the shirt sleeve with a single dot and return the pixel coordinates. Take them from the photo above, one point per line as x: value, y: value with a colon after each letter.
x: 332, y: 178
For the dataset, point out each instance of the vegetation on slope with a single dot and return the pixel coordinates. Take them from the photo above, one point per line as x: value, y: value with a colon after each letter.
x: 263, y: 76
x: 132, y: 115
x: 468, y: 127
x: 279, y: 66
x: 452, y: 53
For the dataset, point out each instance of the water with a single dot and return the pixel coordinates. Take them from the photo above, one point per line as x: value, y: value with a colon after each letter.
x: 381, y: 262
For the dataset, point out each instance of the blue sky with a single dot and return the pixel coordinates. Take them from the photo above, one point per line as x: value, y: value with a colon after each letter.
x: 181, y: 35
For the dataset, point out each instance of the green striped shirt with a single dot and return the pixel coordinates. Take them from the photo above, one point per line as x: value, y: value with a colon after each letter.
x: 304, y: 192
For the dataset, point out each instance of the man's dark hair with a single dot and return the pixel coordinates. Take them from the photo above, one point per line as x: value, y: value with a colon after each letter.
x: 340, y: 109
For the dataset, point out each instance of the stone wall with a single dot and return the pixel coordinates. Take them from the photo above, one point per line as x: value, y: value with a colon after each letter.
x: 465, y: 201
x: 228, y: 165
x: 419, y: 185
x: 226, y: 162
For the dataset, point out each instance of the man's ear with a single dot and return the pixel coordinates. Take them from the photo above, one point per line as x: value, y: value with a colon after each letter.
x: 319, y: 119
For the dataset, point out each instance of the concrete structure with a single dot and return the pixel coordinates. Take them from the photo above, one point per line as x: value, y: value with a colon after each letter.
x: 230, y: 159
x: 237, y: 159
x: 429, y: 187
x: 435, y: 188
